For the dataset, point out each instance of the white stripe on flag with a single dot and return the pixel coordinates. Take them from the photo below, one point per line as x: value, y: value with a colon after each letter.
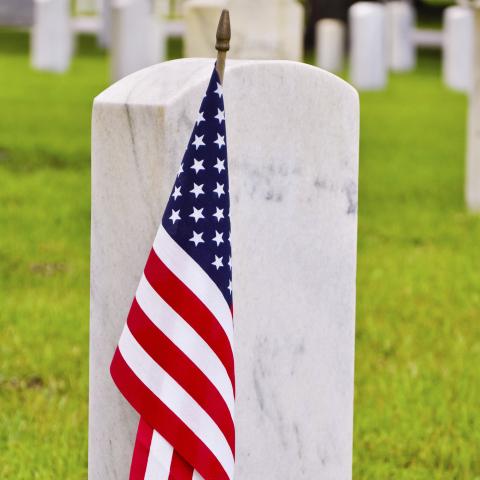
x: 194, y: 277
x: 186, y: 339
x: 196, y: 476
x: 159, y: 458
x: 159, y: 382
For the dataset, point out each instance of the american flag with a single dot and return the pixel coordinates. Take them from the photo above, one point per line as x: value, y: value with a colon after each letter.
x: 174, y: 361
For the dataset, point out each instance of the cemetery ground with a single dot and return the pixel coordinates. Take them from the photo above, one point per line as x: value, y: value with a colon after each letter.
x: 417, y: 387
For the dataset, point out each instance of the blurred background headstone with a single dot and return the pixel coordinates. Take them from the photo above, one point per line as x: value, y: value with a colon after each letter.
x: 330, y: 38
x: 472, y: 187
x: 368, y: 46
x: 401, y: 28
x: 458, y: 27
x: 136, y: 37
x: 52, y: 36
x: 262, y: 29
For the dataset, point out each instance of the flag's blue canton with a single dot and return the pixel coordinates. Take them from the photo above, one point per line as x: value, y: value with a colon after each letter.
x: 198, y: 212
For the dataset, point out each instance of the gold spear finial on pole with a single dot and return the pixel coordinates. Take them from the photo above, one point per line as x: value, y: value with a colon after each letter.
x: 223, y: 42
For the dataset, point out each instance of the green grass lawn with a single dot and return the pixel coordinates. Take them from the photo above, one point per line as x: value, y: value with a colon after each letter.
x: 417, y: 397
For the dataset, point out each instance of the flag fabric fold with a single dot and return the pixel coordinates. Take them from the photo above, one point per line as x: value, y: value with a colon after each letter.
x: 174, y: 361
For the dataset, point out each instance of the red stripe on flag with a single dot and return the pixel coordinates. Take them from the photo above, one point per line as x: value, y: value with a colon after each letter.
x: 182, y: 370
x: 191, y: 309
x: 141, y: 451
x: 164, y: 421
x: 180, y: 469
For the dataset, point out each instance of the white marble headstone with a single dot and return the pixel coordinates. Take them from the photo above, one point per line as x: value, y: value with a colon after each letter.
x: 330, y: 44
x: 51, y: 37
x: 401, y: 28
x: 472, y: 176
x: 293, y: 154
x: 136, y: 37
x: 458, y: 27
x: 261, y: 29
x: 368, y: 53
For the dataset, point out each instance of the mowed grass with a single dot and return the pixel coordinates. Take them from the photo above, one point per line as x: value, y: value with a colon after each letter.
x: 417, y: 395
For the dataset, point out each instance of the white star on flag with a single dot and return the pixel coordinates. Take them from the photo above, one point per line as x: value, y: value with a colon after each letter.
x: 218, y: 262
x: 220, y: 165
x: 218, y: 214
x: 198, y: 142
x: 197, y: 190
x: 220, y: 116
x: 197, y: 238
x: 220, y: 141
x: 200, y: 118
x: 219, y: 190
x: 177, y: 192
x: 175, y: 216
x: 197, y: 165
x: 197, y: 214
x: 219, y: 90
x: 218, y: 238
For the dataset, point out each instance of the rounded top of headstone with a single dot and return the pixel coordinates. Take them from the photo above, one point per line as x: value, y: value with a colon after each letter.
x: 469, y: 3
x: 459, y: 10
x: 167, y: 82
x: 366, y: 8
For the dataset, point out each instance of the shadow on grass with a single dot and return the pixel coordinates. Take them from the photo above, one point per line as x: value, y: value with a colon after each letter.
x: 14, y: 42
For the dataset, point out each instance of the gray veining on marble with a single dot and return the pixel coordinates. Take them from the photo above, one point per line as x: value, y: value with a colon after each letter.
x: 293, y: 153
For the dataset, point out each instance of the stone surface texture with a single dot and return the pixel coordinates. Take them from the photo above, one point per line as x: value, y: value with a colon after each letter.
x: 401, y: 19
x: 261, y: 29
x: 293, y: 153
x: 330, y: 44
x: 368, y: 52
x: 51, y: 37
x: 458, y: 27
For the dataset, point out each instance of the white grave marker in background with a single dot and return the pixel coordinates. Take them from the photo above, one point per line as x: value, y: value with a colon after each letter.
x: 472, y: 187
x: 401, y: 28
x: 458, y: 27
x: 368, y: 55
x: 201, y: 20
x: 137, y: 40
x: 105, y: 31
x: 262, y: 29
x: 51, y: 37
x: 330, y: 44
x: 293, y: 180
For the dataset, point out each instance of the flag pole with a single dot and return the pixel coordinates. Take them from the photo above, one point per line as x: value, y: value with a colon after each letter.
x: 223, y: 42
